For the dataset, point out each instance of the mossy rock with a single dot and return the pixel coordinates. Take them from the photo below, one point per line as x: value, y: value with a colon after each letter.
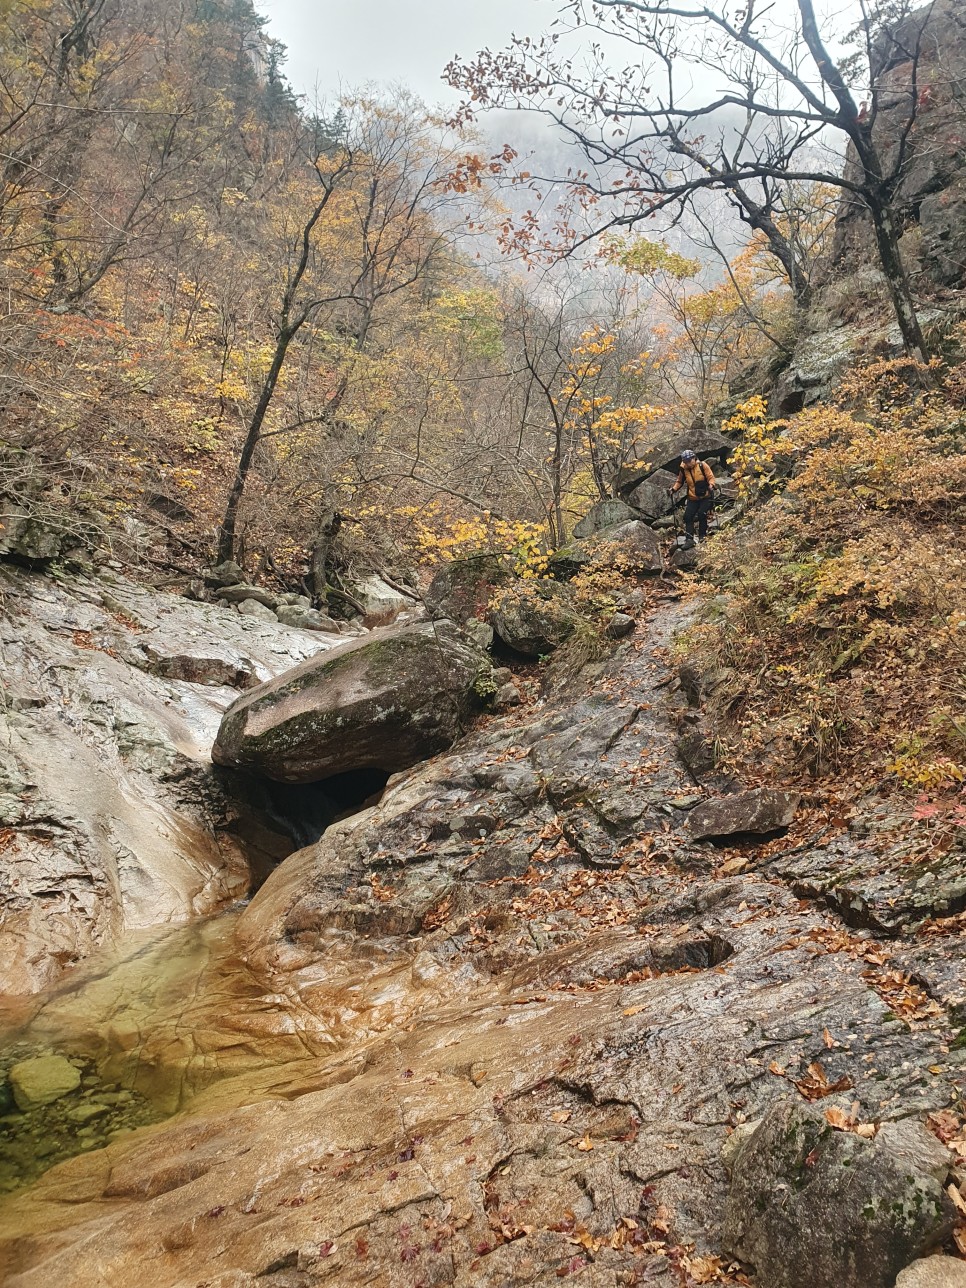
x: 462, y: 590
x: 632, y: 545
x: 385, y: 701
x: 534, y: 618
x: 812, y: 1207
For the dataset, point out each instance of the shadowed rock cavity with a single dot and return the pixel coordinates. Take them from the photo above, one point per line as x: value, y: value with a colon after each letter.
x: 298, y: 814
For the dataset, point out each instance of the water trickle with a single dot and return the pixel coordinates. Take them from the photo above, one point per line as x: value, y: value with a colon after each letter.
x: 171, y: 1014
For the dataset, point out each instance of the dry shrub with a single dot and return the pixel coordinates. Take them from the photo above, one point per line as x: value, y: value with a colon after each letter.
x: 842, y: 633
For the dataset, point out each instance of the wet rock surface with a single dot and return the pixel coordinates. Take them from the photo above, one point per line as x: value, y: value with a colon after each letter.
x: 53, y: 1108
x: 495, y: 1029
x: 110, y: 817
x: 386, y: 701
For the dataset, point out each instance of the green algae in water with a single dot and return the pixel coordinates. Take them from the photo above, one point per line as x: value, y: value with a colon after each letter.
x: 173, y: 1014
x: 117, y: 1020
x: 35, y: 1139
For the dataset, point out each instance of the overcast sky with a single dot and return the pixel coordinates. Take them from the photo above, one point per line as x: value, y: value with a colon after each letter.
x: 346, y: 42
x: 337, y: 44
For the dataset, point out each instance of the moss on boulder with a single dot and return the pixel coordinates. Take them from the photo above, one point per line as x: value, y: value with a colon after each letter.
x: 386, y: 701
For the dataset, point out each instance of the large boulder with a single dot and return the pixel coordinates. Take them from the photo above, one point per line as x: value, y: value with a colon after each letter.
x: 756, y: 813
x: 650, y: 497
x: 664, y: 453
x: 379, y: 599
x: 604, y: 514
x: 240, y: 593
x: 305, y: 619
x: 534, y: 617
x: 814, y: 368
x: 228, y: 573
x: 461, y: 590
x: 684, y: 555
x: 813, y: 1207
x: 632, y: 545
x: 386, y: 701
x: 254, y: 608
x: 934, y: 1272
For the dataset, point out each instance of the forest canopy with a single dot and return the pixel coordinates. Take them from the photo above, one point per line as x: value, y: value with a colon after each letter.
x: 326, y: 339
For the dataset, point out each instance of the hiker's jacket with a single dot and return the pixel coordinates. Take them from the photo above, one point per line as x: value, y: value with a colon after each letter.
x: 691, y: 475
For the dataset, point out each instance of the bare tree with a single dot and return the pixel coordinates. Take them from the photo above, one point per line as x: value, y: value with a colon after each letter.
x: 296, y: 308
x: 387, y: 172
x: 656, y: 142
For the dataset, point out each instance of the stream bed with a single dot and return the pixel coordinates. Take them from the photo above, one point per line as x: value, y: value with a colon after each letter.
x: 168, y: 1015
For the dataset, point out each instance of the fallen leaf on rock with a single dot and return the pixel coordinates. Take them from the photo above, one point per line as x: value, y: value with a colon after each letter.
x: 954, y: 1193
x: 618, y: 1239
x: 946, y: 1125
x: 585, y: 1144
x: 584, y: 1239
x: 560, y: 1116
x: 829, y: 1041
x: 842, y: 1121
x: 663, y: 1218
x: 815, y: 1085
x: 634, y: 1010
x: 703, y: 1270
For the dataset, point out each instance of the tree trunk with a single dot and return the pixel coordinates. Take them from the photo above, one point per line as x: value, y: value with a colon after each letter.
x: 290, y: 323
x: 757, y: 217
x: 329, y: 525
x: 229, y: 524
x: 557, y: 521
x: 887, y: 243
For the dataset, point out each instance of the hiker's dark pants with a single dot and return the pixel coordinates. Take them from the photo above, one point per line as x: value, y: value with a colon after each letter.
x: 699, y: 510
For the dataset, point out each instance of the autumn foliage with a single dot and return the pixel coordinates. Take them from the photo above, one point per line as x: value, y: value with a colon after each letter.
x: 839, y: 636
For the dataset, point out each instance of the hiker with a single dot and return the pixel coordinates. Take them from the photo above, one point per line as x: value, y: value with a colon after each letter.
x: 700, y: 484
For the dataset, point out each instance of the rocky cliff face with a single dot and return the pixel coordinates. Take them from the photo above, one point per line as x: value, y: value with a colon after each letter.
x: 928, y: 51
x: 111, y: 818
x: 851, y: 320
